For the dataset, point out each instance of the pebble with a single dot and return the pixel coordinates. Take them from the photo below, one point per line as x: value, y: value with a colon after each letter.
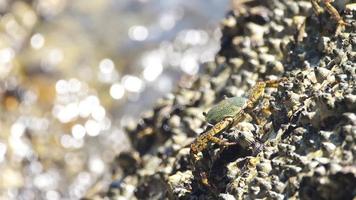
x: 177, y: 182
x: 227, y: 196
x: 264, y: 167
x: 329, y: 147
x: 321, y: 74
x: 174, y: 121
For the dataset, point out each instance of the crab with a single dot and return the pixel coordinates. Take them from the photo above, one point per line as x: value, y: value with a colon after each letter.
x: 225, y: 115
x: 330, y: 9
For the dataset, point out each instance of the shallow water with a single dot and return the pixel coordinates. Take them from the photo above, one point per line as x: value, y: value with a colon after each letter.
x: 73, y: 73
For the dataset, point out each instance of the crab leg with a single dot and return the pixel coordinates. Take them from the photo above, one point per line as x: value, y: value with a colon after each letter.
x: 259, y: 89
x: 202, y: 141
x: 317, y: 9
x: 334, y: 13
x: 331, y: 10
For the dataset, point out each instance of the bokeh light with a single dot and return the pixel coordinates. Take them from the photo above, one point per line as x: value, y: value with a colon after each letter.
x: 78, y: 131
x: 138, y: 33
x: 117, y: 91
x: 153, y: 66
x: 37, y: 41
x: 3, y: 150
x: 132, y: 83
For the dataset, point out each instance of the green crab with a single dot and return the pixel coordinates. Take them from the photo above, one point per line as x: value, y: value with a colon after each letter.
x: 225, y: 115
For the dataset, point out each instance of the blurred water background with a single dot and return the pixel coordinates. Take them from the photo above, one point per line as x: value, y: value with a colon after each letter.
x: 74, y: 73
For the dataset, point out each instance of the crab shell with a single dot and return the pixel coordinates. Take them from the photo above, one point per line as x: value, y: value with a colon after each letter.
x: 226, y: 108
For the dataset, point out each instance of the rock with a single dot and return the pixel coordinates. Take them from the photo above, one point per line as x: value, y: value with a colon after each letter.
x: 304, y: 144
x: 177, y: 184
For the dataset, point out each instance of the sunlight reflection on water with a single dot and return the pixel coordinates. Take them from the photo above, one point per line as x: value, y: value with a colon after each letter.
x: 72, y: 73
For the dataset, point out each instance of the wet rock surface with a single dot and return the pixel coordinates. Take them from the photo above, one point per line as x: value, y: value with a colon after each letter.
x: 303, y: 149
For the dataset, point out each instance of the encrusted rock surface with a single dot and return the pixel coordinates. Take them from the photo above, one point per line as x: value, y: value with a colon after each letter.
x: 306, y: 147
